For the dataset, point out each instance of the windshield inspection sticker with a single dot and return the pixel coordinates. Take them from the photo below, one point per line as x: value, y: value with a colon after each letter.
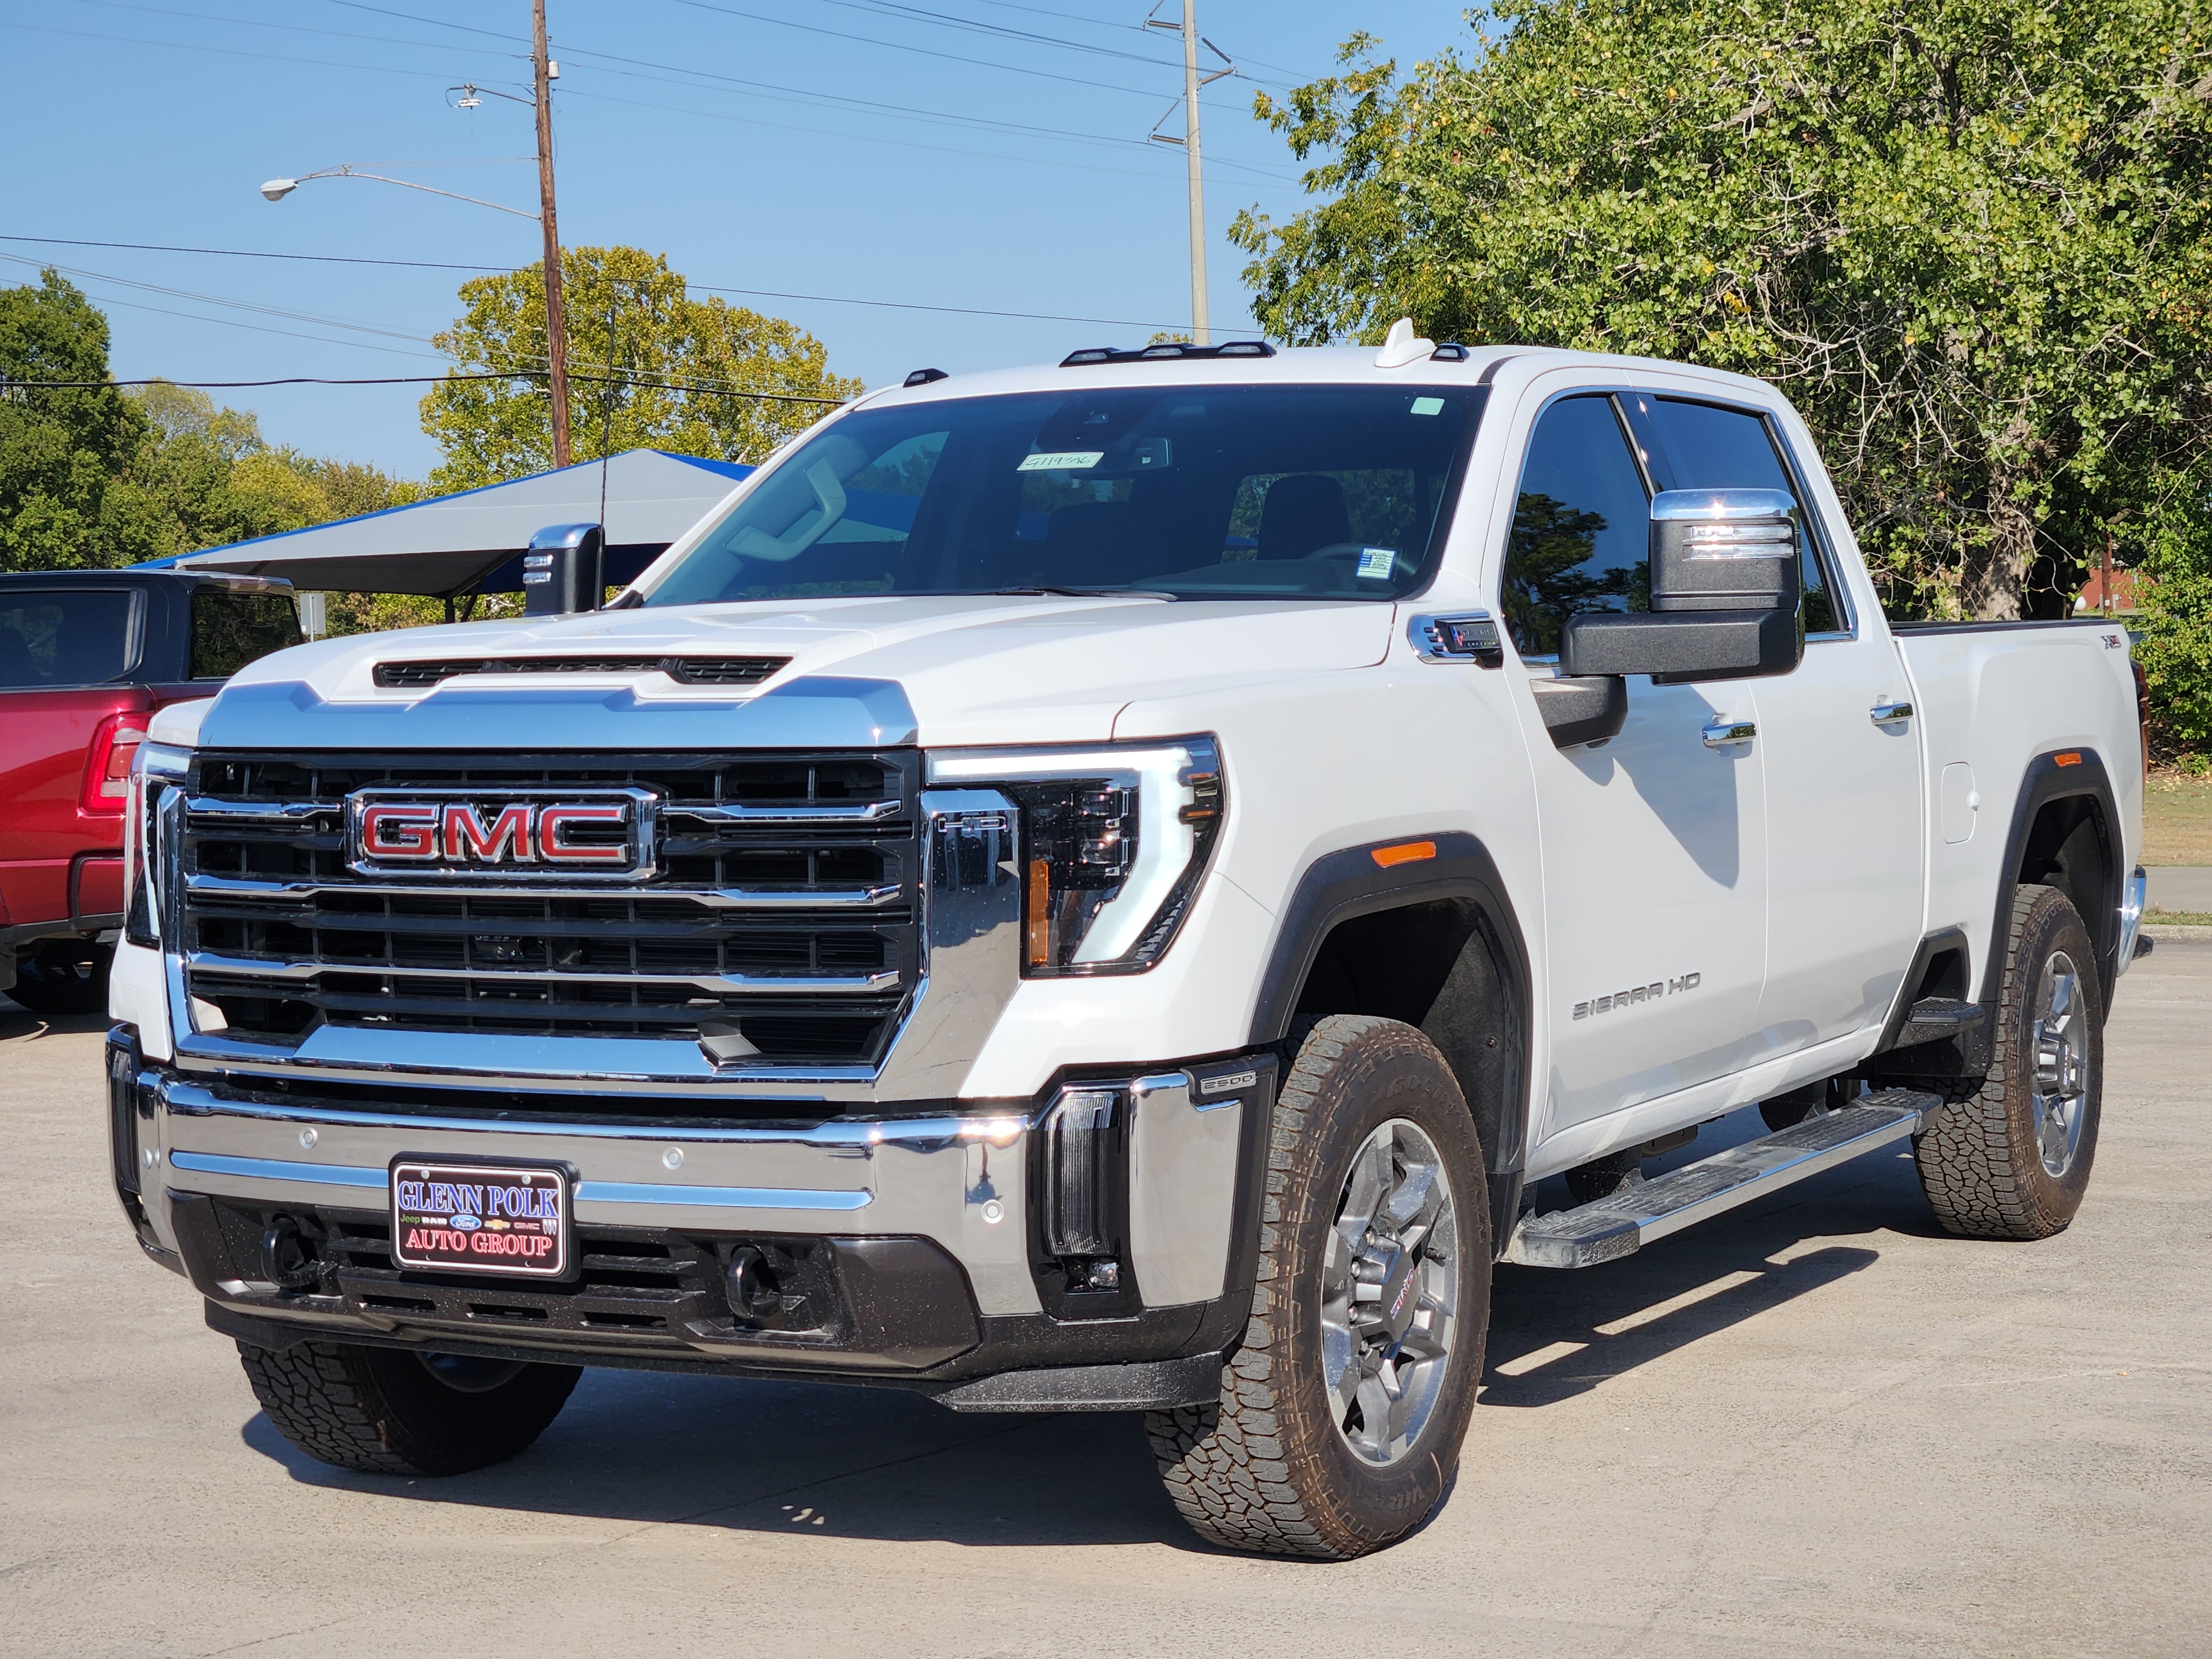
x: 1428, y: 405
x: 1376, y: 562
x: 1065, y: 460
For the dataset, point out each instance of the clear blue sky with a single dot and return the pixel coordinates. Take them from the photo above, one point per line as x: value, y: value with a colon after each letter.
x: 824, y: 148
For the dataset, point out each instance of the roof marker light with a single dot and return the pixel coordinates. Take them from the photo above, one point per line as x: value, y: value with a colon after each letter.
x: 1165, y: 351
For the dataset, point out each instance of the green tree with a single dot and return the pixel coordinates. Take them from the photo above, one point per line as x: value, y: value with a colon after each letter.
x: 204, y: 478
x: 1969, y: 240
x: 61, y: 448
x: 629, y: 319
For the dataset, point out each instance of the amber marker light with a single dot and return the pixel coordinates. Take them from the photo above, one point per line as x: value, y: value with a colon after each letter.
x: 1040, y: 913
x: 2071, y: 758
x: 1406, y: 852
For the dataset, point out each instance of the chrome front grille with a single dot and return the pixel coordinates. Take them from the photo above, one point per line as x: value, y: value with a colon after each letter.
x: 780, y: 921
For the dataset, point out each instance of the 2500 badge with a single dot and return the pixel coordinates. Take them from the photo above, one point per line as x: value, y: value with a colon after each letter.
x: 480, y: 1217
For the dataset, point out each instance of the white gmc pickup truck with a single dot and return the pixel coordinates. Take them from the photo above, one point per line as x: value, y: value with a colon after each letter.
x: 1106, y: 887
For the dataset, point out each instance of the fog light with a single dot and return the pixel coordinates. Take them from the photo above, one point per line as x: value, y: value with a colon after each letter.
x: 755, y: 1295
x: 286, y: 1261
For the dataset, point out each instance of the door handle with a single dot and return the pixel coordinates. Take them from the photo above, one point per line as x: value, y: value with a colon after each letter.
x: 1886, y: 713
x: 1727, y: 734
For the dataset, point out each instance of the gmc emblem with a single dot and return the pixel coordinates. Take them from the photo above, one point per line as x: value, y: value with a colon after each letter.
x: 523, y: 834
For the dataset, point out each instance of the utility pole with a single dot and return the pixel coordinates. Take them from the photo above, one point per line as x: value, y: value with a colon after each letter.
x: 556, y: 331
x: 1201, y: 332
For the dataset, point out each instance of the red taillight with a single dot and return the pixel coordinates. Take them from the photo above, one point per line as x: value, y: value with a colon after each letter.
x: 107, y: 765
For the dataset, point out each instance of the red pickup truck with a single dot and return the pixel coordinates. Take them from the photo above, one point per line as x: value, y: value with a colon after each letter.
x: 86, y: 657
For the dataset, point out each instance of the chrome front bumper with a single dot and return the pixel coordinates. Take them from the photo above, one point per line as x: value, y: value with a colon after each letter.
x: 970, y: 1188
x: 956, y: 1180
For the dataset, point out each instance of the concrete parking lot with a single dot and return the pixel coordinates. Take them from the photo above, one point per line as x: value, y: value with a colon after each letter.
x: 1813, y: 1427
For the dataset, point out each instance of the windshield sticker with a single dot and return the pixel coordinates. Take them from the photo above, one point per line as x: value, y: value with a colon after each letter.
x: 1376, y: 562
x: 1065, y: 460
x: 1428, y: 405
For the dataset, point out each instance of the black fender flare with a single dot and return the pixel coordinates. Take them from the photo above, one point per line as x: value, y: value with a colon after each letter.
x: 1352, y: 882
x: 2052, y: 777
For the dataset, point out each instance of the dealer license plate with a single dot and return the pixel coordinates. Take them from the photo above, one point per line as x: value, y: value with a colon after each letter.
x: 510, y: 1218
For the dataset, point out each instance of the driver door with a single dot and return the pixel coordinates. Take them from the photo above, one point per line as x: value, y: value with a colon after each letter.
x: 1653, y: 843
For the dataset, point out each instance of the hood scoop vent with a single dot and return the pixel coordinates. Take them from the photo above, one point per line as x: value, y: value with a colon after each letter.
x: 685, y: 670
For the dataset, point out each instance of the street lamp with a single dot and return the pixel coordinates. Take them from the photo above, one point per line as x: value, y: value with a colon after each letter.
x: 277, y: 189
x: 556, y: 334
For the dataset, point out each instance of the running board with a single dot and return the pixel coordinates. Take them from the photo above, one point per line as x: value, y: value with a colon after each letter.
x: 1619, y: 1225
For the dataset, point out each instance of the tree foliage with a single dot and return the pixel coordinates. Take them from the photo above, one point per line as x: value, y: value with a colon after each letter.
x: 1970, y: 240
x: 102, y: 476
x: 61, y: 448
x: 630, y: 318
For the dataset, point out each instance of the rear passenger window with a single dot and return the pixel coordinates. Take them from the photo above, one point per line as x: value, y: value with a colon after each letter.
x: 62, y: 636
x: 1582, y: 533
x: 1714, y: 448
x: 231, y: 628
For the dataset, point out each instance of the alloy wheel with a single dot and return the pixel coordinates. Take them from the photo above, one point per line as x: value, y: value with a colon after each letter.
x: 2059, y: 1092
x: 1390, y: 1292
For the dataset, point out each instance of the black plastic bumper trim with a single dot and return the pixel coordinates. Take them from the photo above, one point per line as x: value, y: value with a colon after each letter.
x: 1148, y: 1385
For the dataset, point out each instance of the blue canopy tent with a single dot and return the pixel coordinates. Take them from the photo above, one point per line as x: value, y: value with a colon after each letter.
x: 472, y: 542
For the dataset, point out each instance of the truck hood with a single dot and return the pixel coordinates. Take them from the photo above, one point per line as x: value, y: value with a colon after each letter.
x: 949, y: 671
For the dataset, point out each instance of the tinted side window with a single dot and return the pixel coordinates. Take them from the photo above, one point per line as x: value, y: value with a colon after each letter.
x: 1582, y: 532
x: 1717, y: 448
x: 64, y: 637
x: 231, y: 628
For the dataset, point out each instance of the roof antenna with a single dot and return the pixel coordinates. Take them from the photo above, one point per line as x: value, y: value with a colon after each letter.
x: 1403, y: 346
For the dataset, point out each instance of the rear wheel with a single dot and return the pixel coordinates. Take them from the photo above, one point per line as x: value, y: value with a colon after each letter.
x: 63, y: 976
x: 2011, y: 1160
x: 394, y: 1411
x: 1339, y: 1421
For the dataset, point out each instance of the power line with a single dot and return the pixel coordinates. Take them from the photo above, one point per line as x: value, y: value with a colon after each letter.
x: 925, y: 51
x: 873, y: 138
x: 704, y: 287
x: 7, y: 386
x: 256, y: 253
x: 258, y: 23
x: 572, y: 92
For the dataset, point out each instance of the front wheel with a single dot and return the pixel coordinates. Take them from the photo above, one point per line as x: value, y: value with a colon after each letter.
x: 1339, y: 1421
x: 394, y: 1411
x: 2011, y: 1160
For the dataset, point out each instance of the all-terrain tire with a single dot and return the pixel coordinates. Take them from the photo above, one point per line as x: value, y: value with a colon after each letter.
x: 1981, y: 1164
x: 1265, y: 1468
x: 391, y: 1411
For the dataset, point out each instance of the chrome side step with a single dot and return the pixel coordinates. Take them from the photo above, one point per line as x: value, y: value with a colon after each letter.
x: 1619, y: 1225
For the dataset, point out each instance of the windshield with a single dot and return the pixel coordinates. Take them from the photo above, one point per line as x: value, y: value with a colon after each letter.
x: 1259, y: 492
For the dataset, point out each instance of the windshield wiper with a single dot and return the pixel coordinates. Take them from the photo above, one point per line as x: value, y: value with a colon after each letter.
x: 1074, y: 593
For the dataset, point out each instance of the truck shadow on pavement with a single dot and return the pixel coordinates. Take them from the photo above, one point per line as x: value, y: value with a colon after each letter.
x: 832, y: 1461
x: 18, y: 1022
x: 1554, y: 1335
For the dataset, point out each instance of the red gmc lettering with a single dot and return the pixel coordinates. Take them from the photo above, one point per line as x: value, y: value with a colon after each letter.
x: 466, y: 838
x: 394, y: 831
x: 552, y: 820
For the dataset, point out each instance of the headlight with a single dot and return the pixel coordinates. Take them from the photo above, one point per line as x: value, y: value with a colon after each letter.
x: 155, y: 770
x: 1114, y: 839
